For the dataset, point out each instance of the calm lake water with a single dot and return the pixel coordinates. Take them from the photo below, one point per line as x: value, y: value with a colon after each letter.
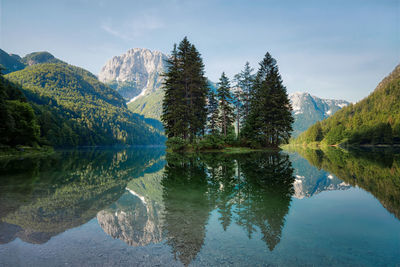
x: 143, y: 207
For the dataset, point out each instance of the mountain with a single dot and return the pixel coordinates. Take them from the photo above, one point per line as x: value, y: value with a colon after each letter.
x: 39, y: 58
x: 137, y: 217
x: 136, y: 72
x: 13, y: 62
x: 10, y: 62
x: 74, y: 108
x: 311, y: 180
x: 308, y: 109
x: 376, y: 171
x: 374, y: 120
x: 137, y: 76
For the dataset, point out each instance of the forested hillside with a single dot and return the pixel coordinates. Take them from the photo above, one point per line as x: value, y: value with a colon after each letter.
x: 374, y: 120
x: 18, y: 122
x: 73, y: 108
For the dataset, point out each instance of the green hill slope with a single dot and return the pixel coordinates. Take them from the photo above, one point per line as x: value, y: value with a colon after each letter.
x: 18, y: 122
x: 374, y: 120
x: 150, y: 105
x: 74, y: 108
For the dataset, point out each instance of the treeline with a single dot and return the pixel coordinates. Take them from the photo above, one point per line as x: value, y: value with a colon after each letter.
x: 194, y: 116
x: 374, y: 120
x: 72, y: 108
x: 18, y: 123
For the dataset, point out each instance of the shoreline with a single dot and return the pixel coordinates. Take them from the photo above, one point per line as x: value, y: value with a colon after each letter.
x: 23, y: 152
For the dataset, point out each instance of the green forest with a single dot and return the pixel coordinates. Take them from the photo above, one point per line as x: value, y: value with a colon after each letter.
x: 373, y: 121
x: 70, y: 108
x: 196, y: 117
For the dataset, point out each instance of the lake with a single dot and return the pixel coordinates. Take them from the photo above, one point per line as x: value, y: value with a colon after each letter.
x: 145, y: 207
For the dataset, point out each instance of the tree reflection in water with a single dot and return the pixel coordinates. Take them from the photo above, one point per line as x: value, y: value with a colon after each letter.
x: 253, y: 190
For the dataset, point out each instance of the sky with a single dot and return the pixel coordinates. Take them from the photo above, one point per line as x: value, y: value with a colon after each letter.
x: 331, y: 49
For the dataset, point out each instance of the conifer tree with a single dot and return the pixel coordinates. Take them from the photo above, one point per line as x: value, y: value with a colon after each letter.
x: 226, y: 116
x: 184, y: 105
x: 213, y: 113
x: 269, y: 122
x: 245, y: 80
x: 174, y: 99
x: 237, y: 101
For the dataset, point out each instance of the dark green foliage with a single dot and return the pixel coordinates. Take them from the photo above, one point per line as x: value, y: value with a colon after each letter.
x: 263, y: 103
x: 176, y: 143
x: 252, y: 191
x: 244, y: 80
x: 226, y: 117
x: 211, y: 141
x: 74, y: 108
x: 184, y: 106
x: 269, y: 122
x: 18, y: 123
x: 374, y: 120
x: 213, y: 113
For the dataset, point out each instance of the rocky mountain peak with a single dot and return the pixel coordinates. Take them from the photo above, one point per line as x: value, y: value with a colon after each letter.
x: 308, y: 109
x: 134, y: 73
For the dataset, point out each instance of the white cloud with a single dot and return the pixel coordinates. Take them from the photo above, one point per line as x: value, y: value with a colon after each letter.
x: 133, y: 28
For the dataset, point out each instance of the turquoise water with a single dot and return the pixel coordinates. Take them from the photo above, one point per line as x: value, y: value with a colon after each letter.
x: 142, y: 207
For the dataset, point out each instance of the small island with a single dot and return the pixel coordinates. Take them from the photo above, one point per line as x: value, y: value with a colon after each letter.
x: 253, y: 113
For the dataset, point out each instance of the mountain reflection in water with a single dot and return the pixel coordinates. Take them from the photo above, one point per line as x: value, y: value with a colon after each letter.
x: 147, y: 198
x: 252, y: 190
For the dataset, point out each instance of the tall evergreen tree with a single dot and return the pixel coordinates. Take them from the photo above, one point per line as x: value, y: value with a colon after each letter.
x: 184, y: 105
x: 245, y: 80
x: 269, y: 121
x: 174, y: 99
x: 237, y: 101
x: 213, y: 113
x: 226, y: 116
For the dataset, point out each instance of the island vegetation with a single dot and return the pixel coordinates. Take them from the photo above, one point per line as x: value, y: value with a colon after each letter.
x: 198, y: 118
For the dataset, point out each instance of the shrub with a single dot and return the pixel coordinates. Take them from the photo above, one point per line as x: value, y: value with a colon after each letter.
x: 176, y: 144
x: 212, y: 141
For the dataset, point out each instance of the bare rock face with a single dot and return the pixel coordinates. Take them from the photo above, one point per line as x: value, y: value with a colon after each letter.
x: 308, y: 109
x: 135, y: 73
x: 134, y: 220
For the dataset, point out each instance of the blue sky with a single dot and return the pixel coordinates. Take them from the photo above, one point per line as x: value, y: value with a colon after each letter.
x: 331, y: 49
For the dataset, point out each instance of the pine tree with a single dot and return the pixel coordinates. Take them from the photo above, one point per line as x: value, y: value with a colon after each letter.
x: 184, y: 104
x: 226, y: 116
x: 237, y: 101
x: 213, y: 113
x: 269, y: 121
x: 245, y: 80
x: 198, y: 89
x: 174, y: 102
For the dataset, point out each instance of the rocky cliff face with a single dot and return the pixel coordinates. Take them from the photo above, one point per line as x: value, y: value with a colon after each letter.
x: 308, y: 109
x: 135, y: 73
x: 136, y: 218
